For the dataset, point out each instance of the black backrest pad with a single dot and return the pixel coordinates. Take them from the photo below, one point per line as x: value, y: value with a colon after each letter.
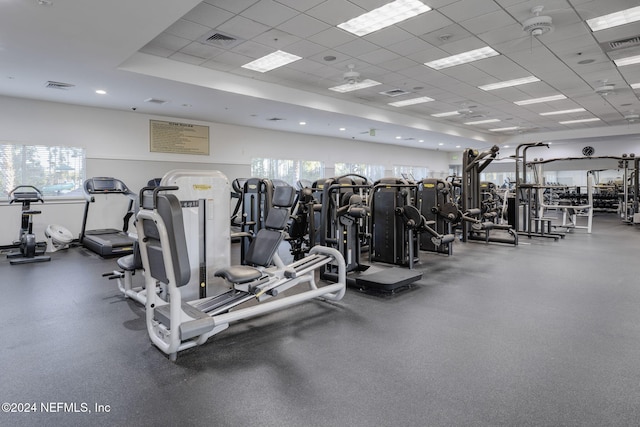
x: 283, y: 196
x: 169, y: 209
x: 278, y: 215
x: 277, y: 219
x: 263, y: 247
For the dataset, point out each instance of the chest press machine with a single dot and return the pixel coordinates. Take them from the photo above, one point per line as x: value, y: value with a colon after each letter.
x: 173, y: 324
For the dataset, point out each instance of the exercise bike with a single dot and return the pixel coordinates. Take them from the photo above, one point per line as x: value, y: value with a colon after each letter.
x: 28, y: 249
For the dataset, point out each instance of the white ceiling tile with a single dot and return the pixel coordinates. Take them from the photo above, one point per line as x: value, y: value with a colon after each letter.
x: 467, y: 9
x: 427, y: 55
x: 566, y: 31
x: 462, y: 45
x: 339, y: 57
x: 277, y: 39
x: 189, y: 59
x: 592, y: 8
x: 157, y: 50
x: 242, y: 27
x: 252, y: 49
x: 398, y: 64
x: 214, y: 64
x: 208, y: 15
x: 488, y: 22
x: 303, y: 26
x: 425, y: 23
x: 631, y: 74
x: 411, y: 46
x: 357, y: 47
x: 305, y: 48
x: 269, y: 12
x: 201, y: 50
x: 235, y: 6
x: 187, y: 29
x: 574, y: 45
x: 300, y: 5
x: 437, y: 4
x: 334, y: 12
x: 618, y: 33
x: 388, y: 36
x: 501, y: 68
x: 332, y: 37
x: 512, y: 34
x: 232, y: 59
x: 306, y: 65
x: 467, y: 73
x: 444, y: 36
x: 507, y: 3
x: 168, y: 42
x: 379, y: 56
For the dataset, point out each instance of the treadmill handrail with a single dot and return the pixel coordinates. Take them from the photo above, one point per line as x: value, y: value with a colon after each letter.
x: 89, y: 190
x: 118, y: 187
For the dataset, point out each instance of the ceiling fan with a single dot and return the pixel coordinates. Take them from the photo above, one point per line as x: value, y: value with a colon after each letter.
x: 537, y: 25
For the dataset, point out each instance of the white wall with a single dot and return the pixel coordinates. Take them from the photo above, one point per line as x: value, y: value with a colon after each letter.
x: 117, y: 144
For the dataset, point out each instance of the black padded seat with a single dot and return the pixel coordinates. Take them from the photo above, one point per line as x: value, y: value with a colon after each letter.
x: 132, y: 261
x: 126, y: 263
x: 239, y: 274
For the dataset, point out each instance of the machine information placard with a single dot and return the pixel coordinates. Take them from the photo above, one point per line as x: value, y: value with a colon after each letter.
x: 178, y: 138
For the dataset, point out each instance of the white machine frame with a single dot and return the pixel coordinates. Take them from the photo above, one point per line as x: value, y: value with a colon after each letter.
x: 204, y: 196
x: 177, y: 324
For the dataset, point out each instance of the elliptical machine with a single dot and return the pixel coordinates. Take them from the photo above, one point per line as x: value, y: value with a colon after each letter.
x: 28, y: 249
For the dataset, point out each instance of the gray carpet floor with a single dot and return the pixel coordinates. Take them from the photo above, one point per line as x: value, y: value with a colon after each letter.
x: 543, y: 334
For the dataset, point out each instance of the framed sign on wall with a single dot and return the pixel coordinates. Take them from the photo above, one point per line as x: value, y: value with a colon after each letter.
x: 178, y: 138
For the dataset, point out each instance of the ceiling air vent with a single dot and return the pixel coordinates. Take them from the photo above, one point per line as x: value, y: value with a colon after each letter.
x: 155, y: 101
x: 59, y: 85
x: 394, y: 92
x: 621, y: 44
x: 220, y: 39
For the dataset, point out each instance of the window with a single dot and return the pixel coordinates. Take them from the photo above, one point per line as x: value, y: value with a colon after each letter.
x: 290, y: 171
x: 416, y: 173
x: 372, y: 172
x: 56, y: 171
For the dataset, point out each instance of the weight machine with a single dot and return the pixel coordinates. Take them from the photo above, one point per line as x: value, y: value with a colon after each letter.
x: 174, y: 323
x: 398, y: 226
x: 344, y: 224
x: 478, y: 216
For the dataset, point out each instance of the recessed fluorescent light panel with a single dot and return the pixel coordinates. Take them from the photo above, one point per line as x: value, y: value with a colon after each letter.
x: 271, y: 61
x: 462, y: 58
x: 413, y: 101
x: 447, y: 114
x: 348, y: 87
x: 384, y: 16
x: 481, y: 122
x: 505, y: 129
x: 569, y: 122
x: 509, y: 83
x: 553, y: 113
x: 538, y: 100
x: 614, y: 19
x: 635, y: 86
x: 627, y: 61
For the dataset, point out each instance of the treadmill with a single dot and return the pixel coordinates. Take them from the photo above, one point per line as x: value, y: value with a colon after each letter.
x: 107, y: 242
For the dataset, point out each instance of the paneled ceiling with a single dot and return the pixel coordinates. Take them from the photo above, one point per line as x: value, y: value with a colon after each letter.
x: 155, y: 56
